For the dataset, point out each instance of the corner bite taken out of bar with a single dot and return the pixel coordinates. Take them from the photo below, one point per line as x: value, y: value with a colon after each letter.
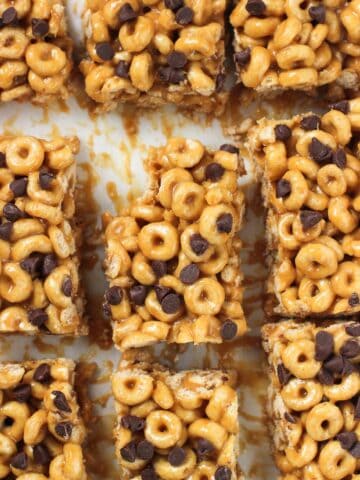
x: 313, y: 400
x: 175, y: 425
x: 42, y: 431
x: 155, y: 52
x: 310, y: 171
x: 39, y: 280
x: 172, y: 257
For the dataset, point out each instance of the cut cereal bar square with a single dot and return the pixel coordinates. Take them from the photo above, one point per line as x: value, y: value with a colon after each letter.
x: 175, y: 425
x: 155, y: 52
x: 35, y: 50
x: 172, y: 258
x: 41, y: 430
x: 39, y: 281
x: 313, y: 400
x: 297, y: 45
x: 311, y: 183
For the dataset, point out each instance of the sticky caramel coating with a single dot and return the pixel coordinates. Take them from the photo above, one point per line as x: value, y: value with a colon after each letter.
x: 289, y: 44
x: 172, y: 257
x: 35, y: 50
x: 311, y: 177
x: 176, y: 425
x: 41, y: 429
x: 155, y: 52
x: 313, y: 402
x: 39, y: 281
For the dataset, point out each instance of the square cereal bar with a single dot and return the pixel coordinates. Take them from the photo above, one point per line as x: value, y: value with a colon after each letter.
x: 313, y: 401
x: 35, y: 50
x: 175, y: 425
x: 310, y: 173
x: 297, y: 45
x: 41, y: 430
x: 155, y: 52
x: 39, y: 281
x: 172, y: 258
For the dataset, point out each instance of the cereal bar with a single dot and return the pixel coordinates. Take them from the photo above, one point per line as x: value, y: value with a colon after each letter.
x: 172, y: 258
x: 296, y: 45
x: 175, y: 425
x: 41, y: 429
x: 311, y: 186
x: 39, y: 282
x: 35, y: 50
x: 313, y: 401
x: 155, y: 52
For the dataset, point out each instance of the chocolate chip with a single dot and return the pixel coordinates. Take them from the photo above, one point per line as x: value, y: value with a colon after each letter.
x: 21, y: 393
x: 176, y: 59
x: 2, y: 160
x: 255, y: 7
x: 174, y: 4
x: 353, y: 329
x: 19, y: 461
x: 357, y: 409
x: 161, y: 292
x: 60, y: 401
x: 355, y: 451
x: 346, y: 439
x: 171, y: 303
x: 283, y: 374
x: 198, y: 244
x: 335, y: 364
x: 318, y: 13
x: 12, y: 213
x: 309, y: 218
x: 177, y: 456
x: 214, y: 172
x: 223, y: 473
x: 37, y: 317
x: 184, y: 16
x: 114, y: 295
x: 133, y: 423
x: 228, y: 147
x: 228, y: 330
x: 190, y: 274
x: 343, y: 106
x: 219, y: 82
x: 350, y: 349
x: 320, y: 152
x: 49, y: 264
x: 242, y: 57
x: 290, y: 418
x: 148, y: 474
x: 144, y: 450
x: 40, y: 27
x: 325, y: 377
x: 283, y: 188
x: 324, y: 345
x: 122, y: 69
x: 64, y: 430
x: 137, y: 294
x: 224, y: 223
x: 42, y: 373
x: 282, y: 132
x: 18, y: 186
x: 127, y: 13
x: 128, y: 452
x: 5, y: 231
x: 9, y: 16
x: 348, y: 367
x: 204, y: 448
x: 19, y: 80
x: 354, y: 299
x: 66, y: 287
x: 311, y: 122
x: 171, y: 75
x: 339, y: 158
x: 46, y: 179
x: 33, y: 264
x: 105, y: 50
x: 159, y: 268
x: 41, y: 454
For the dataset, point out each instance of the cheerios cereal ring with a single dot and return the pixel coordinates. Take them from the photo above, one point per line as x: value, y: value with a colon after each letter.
x: 324, y: 421
x: 163, y: 429
x: 316, y: 261
x: 299, y: 358
x: 159, y: 241
x: 301, y: 395
x: 132, y: 389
